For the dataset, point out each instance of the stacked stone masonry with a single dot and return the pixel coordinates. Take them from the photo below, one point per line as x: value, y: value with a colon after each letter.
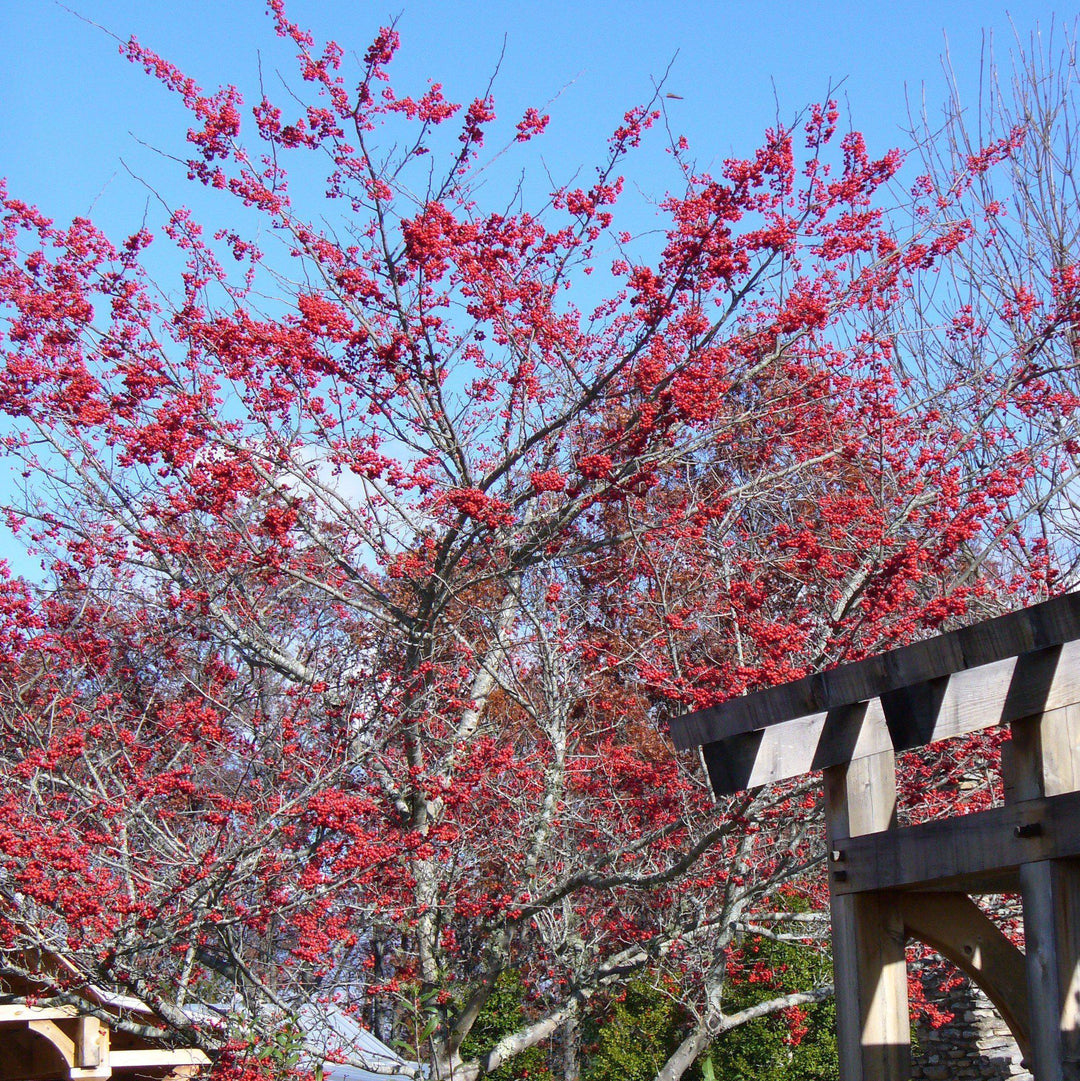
x: 976, y: 1044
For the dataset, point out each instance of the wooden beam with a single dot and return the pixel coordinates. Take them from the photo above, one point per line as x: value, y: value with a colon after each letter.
x: 978, y: 698
x: 797, y: 747
x: 1041, y: 627
x: 19, y: 1011
x: 954, y: 705
x: 956, y: 850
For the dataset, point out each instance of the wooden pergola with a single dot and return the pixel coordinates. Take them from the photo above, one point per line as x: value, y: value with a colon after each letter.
x: 61, y: 1044
x: 891, y: 884
x: 49, y: 1042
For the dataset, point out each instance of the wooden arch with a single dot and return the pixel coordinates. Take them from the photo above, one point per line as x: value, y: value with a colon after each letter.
x: 888, y: 884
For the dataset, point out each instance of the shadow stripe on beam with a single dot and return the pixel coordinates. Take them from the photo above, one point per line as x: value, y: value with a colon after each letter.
x: 966, y: 701
x: 1053, y: 623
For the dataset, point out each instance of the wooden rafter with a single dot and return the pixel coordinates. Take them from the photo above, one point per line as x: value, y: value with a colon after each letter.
x: 763, y: 738
x: 1040, y: 627
x: 82, y: 1043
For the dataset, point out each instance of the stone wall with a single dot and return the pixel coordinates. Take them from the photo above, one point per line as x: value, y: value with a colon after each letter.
x: 976, y: 1044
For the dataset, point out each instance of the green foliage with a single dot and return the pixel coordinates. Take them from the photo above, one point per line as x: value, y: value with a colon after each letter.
x: 636, y: 1038
x: 633, y: 1040
x: 282, y: 1054
x: 644, y: 1023
x: 766, y: 1050
x: 503, y: 1013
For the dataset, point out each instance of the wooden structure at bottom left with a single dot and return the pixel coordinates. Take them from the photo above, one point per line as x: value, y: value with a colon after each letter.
x: 62, y: 1043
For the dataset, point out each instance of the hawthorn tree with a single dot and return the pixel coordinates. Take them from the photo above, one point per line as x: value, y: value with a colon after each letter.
x: 377, y: 563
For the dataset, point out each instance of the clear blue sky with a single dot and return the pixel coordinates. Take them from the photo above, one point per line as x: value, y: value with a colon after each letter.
x: 71, y: 108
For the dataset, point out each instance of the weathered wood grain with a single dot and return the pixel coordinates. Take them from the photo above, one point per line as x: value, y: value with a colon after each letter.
x: 1039, y: 627
x: 959, y: 930
x: 867, y: 933
x: 998, y: 693
x: 1044, y: 761
x: 975, y: 845
x: 797, y: 747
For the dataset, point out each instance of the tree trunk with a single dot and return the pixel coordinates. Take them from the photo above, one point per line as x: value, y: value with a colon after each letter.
x: 571, y: 1043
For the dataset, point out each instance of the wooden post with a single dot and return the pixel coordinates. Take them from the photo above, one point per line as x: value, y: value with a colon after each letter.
x: 874, y: 1032
x: 1044, y: 760
x: 87, y: 1042
x: 92, y: 1040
